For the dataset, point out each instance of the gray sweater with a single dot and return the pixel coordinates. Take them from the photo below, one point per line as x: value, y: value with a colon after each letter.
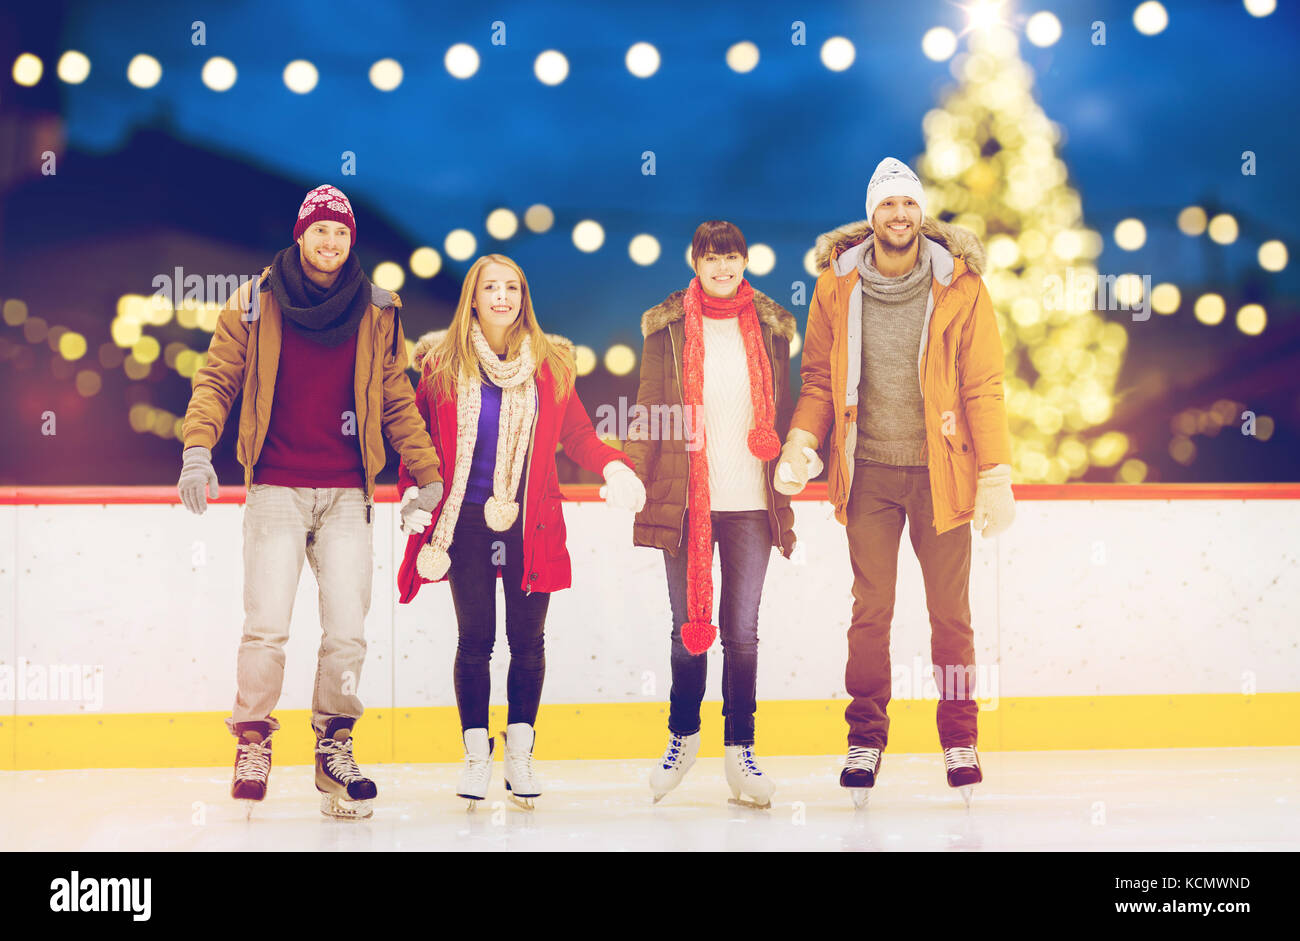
x: 891, y: 417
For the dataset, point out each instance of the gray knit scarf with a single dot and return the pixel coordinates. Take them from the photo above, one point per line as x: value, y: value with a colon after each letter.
x: 893, y: 290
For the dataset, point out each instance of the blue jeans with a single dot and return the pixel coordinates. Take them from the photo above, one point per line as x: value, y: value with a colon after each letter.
x: 744, y: 540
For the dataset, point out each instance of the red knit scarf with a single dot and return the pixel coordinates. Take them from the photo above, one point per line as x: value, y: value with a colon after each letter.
x: 699, y: 631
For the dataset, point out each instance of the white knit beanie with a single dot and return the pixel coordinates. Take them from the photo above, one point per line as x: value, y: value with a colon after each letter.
x: 893, y: 178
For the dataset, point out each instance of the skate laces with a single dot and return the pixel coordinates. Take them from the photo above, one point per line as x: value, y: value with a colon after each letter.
x: 747, y: 764
x: 960, y: 757
x: 254, y: 762
x: 523, y: 762
x: 863, y: 758
x: 340, y: 762
x: 673, y: 755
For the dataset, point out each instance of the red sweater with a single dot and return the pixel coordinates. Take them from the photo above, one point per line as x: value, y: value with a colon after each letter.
x: 310, y: 442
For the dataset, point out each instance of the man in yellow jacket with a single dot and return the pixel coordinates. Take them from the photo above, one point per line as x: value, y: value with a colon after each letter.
x: 902, y: 364
x: 318, y: 353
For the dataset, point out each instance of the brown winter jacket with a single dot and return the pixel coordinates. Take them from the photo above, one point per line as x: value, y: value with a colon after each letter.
x: 959, y: 367
x: 385, y: 401
x: 664, y: 465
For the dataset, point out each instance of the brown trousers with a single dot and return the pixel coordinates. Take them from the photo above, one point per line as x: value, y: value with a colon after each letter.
x: 880, y: 498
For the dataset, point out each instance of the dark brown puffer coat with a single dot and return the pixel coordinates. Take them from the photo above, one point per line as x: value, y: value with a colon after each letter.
x: 664, y: 465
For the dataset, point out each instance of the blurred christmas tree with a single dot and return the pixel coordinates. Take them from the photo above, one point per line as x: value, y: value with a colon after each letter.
x: 990, y: 164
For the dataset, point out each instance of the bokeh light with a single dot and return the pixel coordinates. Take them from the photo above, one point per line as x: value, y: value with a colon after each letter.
x: 642, y: 60
x: 620, y: 359
x: 73, y: 67
x: 742, y: 57
x: 551, y: 67
x: 300, y: 76
x: 144, y: 71
x: 425, y: 262
x: 461, y: 60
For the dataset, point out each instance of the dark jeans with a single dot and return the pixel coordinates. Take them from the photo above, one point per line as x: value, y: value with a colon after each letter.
x: 476, y: 552
x: 881, y: 496
x: 744, y: 541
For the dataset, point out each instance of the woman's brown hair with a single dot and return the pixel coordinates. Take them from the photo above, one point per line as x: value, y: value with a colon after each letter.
x: 719, y: 237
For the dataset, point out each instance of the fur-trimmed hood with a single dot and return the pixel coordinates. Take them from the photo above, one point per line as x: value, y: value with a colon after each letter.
x: 673, y: 308
x: 958, y: 241
x: 428, y: 341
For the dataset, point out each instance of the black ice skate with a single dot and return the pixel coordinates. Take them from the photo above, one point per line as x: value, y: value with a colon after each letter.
x: 964, y: 772
x: 252, y: 763
x: 345, y: 791
x: 860, y: 771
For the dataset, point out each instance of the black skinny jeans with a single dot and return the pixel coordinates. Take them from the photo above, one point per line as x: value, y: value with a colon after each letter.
x: 476, y: 553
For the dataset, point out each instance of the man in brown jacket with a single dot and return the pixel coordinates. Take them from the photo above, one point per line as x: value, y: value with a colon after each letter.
x: 319, y: 355
x: 903, y: 365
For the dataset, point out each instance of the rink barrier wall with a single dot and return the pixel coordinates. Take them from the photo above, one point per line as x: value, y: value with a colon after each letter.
x: 1205, y: 595
x: 637, y: 730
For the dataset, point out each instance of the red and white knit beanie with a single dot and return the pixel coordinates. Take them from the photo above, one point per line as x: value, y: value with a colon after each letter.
x: 325, y: 202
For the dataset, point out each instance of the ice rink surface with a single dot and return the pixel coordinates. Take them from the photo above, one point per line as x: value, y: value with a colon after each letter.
x: 1151, y: 800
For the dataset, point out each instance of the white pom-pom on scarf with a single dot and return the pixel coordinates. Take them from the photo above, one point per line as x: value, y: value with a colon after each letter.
x: 431, y: 563
x: 500, y: 514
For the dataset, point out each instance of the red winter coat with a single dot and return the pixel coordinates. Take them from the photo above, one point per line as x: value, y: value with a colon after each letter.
x: 546, y: 560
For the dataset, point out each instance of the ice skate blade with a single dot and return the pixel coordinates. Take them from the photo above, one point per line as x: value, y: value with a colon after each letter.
x: 523, y: 803
x: 967, y: 793
x: 656, y: 798
x: 750, y: 804
x: 471, y: 801
x: 344, y: 809
x: 860, y: 795
x: 248, y: 806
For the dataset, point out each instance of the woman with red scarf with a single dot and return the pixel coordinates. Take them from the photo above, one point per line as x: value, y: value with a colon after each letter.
x: 717, y: 359
x: 498, y: 396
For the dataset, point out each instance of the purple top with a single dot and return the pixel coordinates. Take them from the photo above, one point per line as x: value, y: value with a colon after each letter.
x: 484, y: 462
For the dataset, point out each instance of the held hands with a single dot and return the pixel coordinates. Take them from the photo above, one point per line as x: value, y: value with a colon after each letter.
x: 197, y: 477
x: 995, y: 506
x: 622, y: 488
x: 798, y: 462
x: 418, y: 504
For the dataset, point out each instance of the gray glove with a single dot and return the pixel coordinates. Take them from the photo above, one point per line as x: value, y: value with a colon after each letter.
x: 197, y: 477
x: 417, y: 507
x: 430, y: 496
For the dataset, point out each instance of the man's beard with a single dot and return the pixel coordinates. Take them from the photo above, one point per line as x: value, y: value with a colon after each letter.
x: 304, y: 257
x: 888, y: 248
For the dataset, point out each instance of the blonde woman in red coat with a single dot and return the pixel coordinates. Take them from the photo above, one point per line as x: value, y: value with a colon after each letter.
x: 498, y: 396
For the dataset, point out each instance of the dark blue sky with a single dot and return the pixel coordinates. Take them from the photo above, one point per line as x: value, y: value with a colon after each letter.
x: 1152, y: 123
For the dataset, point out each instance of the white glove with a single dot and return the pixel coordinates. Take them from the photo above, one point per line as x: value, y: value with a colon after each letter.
x: 197, y: 476
x: 414, y: 519
x: 798, y: 462
x: 995, y: 505
x: 623, y: 488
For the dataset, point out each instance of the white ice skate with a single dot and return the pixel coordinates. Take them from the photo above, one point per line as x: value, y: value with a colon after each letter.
x: 672, y: 767
x: 963, y: 766
x: 745, y: 780
x: 521, y: 781
x: 477, y: 773
x: 859, y: 774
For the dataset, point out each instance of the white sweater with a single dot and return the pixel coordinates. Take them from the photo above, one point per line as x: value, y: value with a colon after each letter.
x: 735, y: 475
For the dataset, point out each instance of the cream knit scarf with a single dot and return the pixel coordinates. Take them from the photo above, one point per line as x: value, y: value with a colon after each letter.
x: 517, y: 380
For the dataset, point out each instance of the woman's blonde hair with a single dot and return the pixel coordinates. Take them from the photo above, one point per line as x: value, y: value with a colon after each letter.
x: 454, y: 356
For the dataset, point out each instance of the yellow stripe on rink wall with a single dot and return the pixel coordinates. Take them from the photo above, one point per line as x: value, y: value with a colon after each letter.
x: 639, y: 730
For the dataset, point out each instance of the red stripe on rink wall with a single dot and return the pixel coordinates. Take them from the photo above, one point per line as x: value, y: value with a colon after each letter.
x: 587, y: 493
